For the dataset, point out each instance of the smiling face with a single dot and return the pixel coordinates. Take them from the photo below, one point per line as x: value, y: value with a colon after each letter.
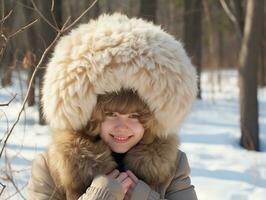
x: 121, y: 131
x: 122, y: 119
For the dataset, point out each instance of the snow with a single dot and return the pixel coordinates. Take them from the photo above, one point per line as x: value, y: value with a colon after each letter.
x: 220, y: 168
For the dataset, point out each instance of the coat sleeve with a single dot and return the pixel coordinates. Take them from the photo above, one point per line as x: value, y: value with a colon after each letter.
x: 42, y: 187
x: 180, y: 187
x: 103, y: 188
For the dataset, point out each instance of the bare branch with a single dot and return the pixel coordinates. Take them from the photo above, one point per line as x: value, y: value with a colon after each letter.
x: 228, y: 11
x: 27, y: 94
x: 42, y: 16
x: 4, y: 18
x: 231, y: 16
x: 72, y: 24
x: 59, y: 33
x: 53, y: 16
x: 22, y: 29
x: 10, y: 178
x: 7, y: 104
x: 2, y: 189
x: 52, y: 6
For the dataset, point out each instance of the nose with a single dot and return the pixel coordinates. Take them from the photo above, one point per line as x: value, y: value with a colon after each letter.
x: 121, y: 124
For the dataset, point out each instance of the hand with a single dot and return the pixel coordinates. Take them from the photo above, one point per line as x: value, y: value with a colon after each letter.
x: 132, y: 186
x: 123, y: 178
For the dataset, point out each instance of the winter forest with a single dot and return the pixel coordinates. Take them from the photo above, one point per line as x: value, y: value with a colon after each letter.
x: 224, y: 136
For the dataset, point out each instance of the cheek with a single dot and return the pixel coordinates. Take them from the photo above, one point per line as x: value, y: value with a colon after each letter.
x: 104, y: 128
x: 139, y: 129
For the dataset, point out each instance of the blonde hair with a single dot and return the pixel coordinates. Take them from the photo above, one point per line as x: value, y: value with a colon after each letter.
x: 124, y: 101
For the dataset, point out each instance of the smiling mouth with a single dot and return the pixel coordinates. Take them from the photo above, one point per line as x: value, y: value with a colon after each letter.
x: 121, y: 139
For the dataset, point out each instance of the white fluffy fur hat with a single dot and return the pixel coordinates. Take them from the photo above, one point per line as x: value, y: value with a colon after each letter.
x: 115, y: 52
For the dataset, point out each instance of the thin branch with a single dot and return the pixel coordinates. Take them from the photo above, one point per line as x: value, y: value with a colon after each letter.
x: 22, y: 29
x: 228, y: 11
x: 42, y: 16
x: 52, y: 13
x: 12, y: 195
x: 2, y: 189
x: 10, y: 178
x: 52, y: 6
x: 7, y: 127
x: 72, y: 24
x: 27, y: 94
x: 7, y: 104
x: 4, y: 18
x: 231, y: 16
x: 59, y: 33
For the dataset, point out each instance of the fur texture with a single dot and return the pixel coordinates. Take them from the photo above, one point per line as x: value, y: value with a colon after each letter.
x: 114, y: 52
x: 75, y: 159
x: 106, y: 55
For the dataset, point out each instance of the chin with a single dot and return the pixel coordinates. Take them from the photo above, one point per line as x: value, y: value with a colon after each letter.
x: 120, y: 150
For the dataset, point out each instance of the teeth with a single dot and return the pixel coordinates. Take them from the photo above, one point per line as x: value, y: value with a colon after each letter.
x: 120, y: 138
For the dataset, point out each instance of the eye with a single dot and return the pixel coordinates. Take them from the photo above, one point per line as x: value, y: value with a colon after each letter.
x: 110, y: 114
x: 134, y: 116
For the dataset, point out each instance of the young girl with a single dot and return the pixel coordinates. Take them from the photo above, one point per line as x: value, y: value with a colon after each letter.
x: 115, y: 93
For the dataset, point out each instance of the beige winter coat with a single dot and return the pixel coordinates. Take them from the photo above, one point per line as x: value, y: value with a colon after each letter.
x: 42, y: 187
x: 106, y: 55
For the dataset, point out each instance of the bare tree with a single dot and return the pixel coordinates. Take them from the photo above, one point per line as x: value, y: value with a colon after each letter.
x: 248, y: 63
x: 192, y: 33
x: 262, y: 60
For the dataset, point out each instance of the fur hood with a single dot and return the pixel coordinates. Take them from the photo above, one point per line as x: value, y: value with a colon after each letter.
x: 111, y: 53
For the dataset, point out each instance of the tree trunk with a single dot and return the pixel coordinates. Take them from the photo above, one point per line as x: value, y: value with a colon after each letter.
x: 248, y: 63
x: 262, y: 63
x: 7, y: 65
x: 148, y: 9
x: 192, y: 28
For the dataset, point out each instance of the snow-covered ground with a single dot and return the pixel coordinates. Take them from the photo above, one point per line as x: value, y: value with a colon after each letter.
x: 220, y: 168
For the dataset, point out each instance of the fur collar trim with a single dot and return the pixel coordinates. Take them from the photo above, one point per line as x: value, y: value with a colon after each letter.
x: 75, y: 159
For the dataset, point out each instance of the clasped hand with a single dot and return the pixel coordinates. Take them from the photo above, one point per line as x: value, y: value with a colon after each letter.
x: 127, y: 179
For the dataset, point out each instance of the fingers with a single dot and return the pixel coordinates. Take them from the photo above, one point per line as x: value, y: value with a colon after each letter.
x: 132, y: 176
x: 114, y: 174
x: 122, y: 176
x: 128, y: 194
x: 126, y: 183
x: 127, y: 179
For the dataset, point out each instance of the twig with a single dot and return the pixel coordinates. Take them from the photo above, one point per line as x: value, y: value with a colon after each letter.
x: 17, y: 192
x: 42, y: 16
x: 73, y: 23
x: 5, y: 17
x: 27, y: 94
x: 7, y: 104
x: 53, y: 16
x: 52, y: 6
x: 231, y: 16
x: 22, y: 29
x: 59, y: 33
x: 10, y: 178
x: 228, y: 11
x: 7, y: 127
x: 2, y: 189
